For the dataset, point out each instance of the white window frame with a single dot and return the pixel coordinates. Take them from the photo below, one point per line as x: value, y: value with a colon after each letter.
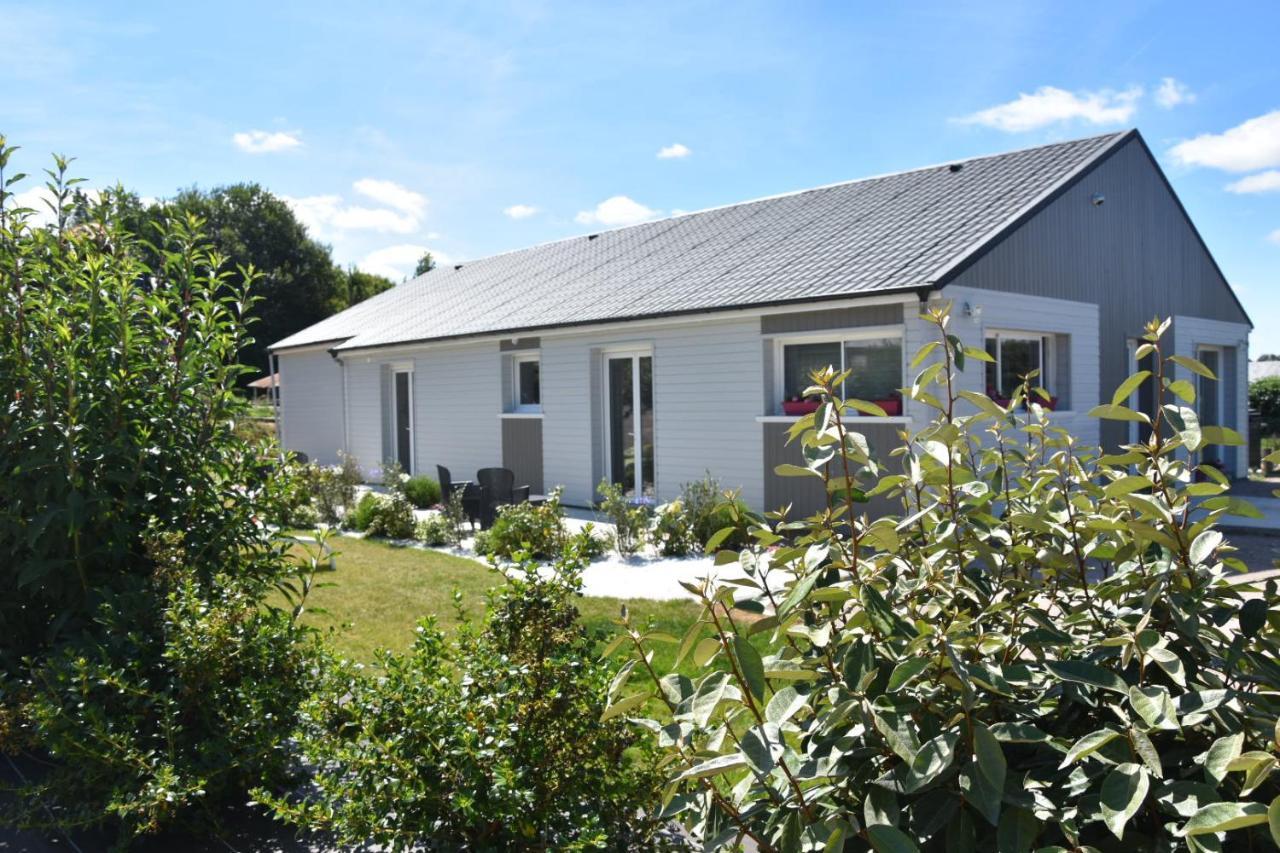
x: 1047, y: 342
x: 1221, y: 352
x: 407, y: 369
x: 635, y: 353
x: 516, y: 406
x: 832, y: 336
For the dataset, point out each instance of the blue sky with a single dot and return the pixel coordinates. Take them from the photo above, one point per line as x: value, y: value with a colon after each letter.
x: 473, y: 128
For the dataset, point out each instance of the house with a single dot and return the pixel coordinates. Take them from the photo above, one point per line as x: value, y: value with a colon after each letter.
x: 654, y: 353
x: 266, y: 387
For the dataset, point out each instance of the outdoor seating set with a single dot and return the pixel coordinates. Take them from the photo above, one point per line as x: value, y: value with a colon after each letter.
x: 481, y: 498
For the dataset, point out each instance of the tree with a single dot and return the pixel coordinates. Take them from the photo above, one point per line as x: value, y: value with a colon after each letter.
x: 299, y: 284
x: 1271, y: 356
x: 361, y: 285
x: 425, y: 264
x: 1264, y: 395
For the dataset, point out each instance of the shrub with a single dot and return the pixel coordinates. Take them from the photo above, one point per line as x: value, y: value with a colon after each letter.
x: 389, y: 515
x: 1264, y: 395
x: 672, y: 530
x: 331, y: 489
x: 422, y: 491
x: 589, y: 542
x: 700, y: 499
x: 630, y: 518
x: 730, y: 522
x: 362, y: 514
x: 492, y: 740
x: 482, y: 544
x: 1045, y: 651
x: 537, y: 529
x: 141, y: 663
x: 434, y: 530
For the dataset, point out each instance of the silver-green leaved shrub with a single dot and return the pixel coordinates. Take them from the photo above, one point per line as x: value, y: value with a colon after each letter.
x: 1047, y: 648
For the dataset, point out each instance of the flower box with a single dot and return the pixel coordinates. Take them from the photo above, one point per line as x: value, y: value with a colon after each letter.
x: 799, y: 407
x: 892, y: 406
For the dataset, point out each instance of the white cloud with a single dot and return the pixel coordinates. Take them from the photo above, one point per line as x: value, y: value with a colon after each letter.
x: 520, y: 211
x: 1255, y: 144
x: 265, y: 142
x: 618, y: 210
x: 397, y: 262
x: 393, y: 195
x: 1274, y: 237
x: 1171, y: 93
x: 1051, y: 105
x: 40, y: 200
x: 1263, y: 182
x: 673, y: 152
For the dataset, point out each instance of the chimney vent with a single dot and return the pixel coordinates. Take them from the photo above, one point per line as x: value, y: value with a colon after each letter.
x: 955, y: 167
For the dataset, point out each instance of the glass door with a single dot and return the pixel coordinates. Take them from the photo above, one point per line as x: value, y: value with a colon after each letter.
x: 629, y: 423
x: 1210, y: 408
x: 404, y: 420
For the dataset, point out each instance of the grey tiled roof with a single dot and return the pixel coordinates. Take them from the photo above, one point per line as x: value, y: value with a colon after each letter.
x: 877, y: 234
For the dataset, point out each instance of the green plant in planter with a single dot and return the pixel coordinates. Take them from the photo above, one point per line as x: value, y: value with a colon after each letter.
x: 1045, y: 650
x: 492, y: 739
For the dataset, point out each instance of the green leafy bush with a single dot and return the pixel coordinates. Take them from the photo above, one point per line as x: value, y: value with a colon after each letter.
x: 1264, y: 395
x: 494, y: 739
x: 538, y: 529
x: 731, y: 521
x: 630, y: 518
x: 142, y: 668
x: 434, y: 530
x: 589, y: 542
x: 331, y: 489
x: 422, y: 491
x: 1044, y: 651
x: 671, y: 530
x: 389, y: 515
x: 700, y: 499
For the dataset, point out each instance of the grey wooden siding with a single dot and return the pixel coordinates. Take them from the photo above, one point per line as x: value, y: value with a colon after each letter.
x: 1136, y: 256
x: 805, y: 493
x: 311, y: 405
x: 522, y: 450
x: 519, y: 344
x: 835, y: 318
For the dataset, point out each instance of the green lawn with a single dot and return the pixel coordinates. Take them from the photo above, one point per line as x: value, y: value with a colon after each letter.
x: 380, y: 592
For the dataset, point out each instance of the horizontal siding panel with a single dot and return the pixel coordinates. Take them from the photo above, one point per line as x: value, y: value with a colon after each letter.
x: 311, y: 405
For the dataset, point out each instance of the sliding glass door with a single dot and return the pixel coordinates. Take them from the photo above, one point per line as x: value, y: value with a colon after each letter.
x: 404, y: 419
x: 629, y: 422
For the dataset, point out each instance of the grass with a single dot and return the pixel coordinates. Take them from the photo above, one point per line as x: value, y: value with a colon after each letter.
x: 380, y: 591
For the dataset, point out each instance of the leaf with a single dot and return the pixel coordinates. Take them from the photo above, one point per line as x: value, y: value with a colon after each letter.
x: 1084, y: 672
x: 1127, y: 387
x: 714, y: 766
x: 1113, y: 412
x: 1192, y: 365
x: 622, y: 706
x: 1183, y: 389
x: 983, y: 402
x: 799, y: 590
x: 1155, y: 706
x: 706, y: 650
x: 1220, y: 755
x: 1273, y: 820
x: 1204, y: 545
x: 750, y: 664
x: 1146, y: 751
x: 1224, y: 817
x: 1123, y: 791
x: 1220, y: 435
x: 890, y: 839
x: 934, y: 757
x: 1126, y: 485
x: 1253, y: 615
x: 1089, y: 744
x: 788, y: 470
x: 1017, y: 831
x: 882, y: 617
x: 784, y: 705
x: 717, y: 539
x: 990, y: 755
x: 763, y: 747
x: 905, y: 672
x: 923, y: 353
x: 714, y: 689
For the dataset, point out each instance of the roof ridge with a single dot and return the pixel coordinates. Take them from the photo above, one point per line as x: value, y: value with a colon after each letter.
x: 792, y: 193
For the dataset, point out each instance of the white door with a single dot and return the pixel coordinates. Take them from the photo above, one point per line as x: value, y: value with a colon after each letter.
x: 628, y: 422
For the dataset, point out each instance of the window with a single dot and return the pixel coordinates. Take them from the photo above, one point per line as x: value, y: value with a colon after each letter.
x: 527, y: 384
x: 874, y: 362
x: 1209, y: 401
x: 1016, y: 354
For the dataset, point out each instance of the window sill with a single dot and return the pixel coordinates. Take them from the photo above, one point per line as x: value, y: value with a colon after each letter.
x: 520, y: 414
x: 855, y: 419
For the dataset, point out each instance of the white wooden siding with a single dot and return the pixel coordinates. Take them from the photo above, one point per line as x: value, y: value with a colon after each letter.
x: 1191, y: 332
x: 364, y: 412
x: 457, y: 394
x: 708, y: 391
x: 1015, y: 311
x: 311, y: 404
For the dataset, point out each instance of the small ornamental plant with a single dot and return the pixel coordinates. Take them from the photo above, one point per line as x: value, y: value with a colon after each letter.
x: 1049, y: 648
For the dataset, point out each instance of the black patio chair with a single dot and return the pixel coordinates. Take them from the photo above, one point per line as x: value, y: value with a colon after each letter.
x: 497, y: 488
x: 470, y: 493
